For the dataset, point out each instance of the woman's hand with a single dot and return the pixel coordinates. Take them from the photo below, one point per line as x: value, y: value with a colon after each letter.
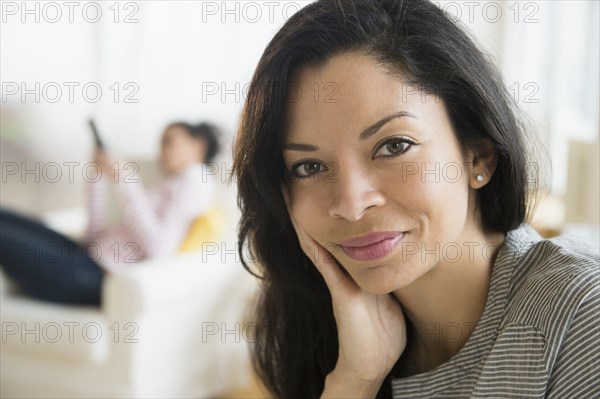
x: 103, y: 160
x: 107, y: 164
x: 371, y: 328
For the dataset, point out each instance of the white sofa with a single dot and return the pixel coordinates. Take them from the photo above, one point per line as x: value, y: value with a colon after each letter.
x: 171, y: 327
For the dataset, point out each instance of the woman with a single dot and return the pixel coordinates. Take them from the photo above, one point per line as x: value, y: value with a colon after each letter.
x: 150, y: 224
x: 386, y: 214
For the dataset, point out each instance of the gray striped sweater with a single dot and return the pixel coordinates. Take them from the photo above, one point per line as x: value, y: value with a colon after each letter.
x: 539, y: 333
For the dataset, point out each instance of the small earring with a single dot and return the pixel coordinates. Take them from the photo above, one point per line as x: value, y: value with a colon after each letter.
x: 479, y: 178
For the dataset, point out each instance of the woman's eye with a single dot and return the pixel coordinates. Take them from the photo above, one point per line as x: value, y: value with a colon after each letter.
x: 393, y: 147
x: 306, y: 169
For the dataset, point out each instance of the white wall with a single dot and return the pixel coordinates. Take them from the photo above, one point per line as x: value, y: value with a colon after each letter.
x: 174, y: 50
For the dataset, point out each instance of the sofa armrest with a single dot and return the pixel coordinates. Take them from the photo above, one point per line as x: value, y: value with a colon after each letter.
x: 162, y: 282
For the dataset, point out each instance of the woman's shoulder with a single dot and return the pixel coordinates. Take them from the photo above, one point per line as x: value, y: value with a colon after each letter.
x: 535, y: 257
x: 551, y: 280
x: 552, y: 297
x: 562, y: 260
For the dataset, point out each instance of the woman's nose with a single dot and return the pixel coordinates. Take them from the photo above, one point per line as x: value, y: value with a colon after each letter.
x: 354, y: 191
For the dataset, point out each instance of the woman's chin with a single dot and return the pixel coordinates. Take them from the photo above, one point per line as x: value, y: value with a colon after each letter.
x: 382, y: 279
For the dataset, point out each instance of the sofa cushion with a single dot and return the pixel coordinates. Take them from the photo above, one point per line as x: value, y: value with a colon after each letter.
x: 71, y: 333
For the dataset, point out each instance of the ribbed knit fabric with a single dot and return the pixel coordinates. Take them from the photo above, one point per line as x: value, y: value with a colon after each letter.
x: 539, y: 334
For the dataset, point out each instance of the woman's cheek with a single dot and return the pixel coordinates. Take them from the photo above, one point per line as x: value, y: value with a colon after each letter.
x: 310, y: 209
x: 300, y: 201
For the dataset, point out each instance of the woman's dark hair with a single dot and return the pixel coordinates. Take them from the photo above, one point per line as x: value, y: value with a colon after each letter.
x: 204, y: 131
x: 297, y: 343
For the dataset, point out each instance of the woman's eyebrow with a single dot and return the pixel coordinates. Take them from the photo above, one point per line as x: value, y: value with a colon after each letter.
x: 299, y: 147
x: 368, y: 132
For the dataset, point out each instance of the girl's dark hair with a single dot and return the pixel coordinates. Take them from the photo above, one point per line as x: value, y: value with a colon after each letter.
x: 204, y: 131
x: 297, y: 343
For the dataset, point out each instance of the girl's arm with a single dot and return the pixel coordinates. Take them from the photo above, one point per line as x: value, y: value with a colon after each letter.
x: 96, y: 208
x: 158, y: 232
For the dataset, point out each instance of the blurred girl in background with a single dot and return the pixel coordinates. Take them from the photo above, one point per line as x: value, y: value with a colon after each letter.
x: 151, y: 223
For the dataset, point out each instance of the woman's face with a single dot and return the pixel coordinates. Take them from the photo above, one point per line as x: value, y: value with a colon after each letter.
x: 376, y: 156
x: 179, y: 149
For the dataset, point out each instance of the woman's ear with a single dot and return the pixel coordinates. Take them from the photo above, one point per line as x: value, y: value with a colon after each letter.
x: 482, y: 161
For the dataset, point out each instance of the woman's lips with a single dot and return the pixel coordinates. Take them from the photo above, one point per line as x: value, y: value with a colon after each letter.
x: 371, y: 246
